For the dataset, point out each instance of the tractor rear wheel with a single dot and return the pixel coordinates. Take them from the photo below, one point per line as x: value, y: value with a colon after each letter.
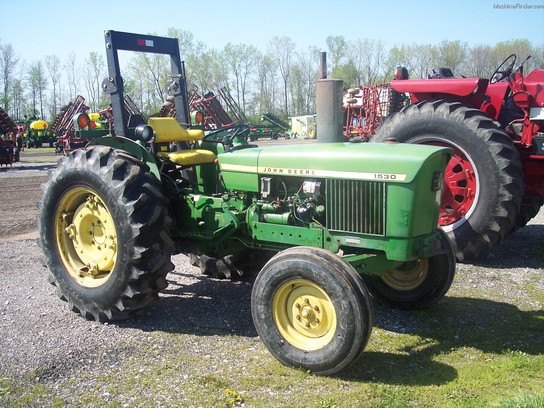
x: 104, y: 232
x: 484, y: 179
x: 416, y: 284
x: 312, y: 310
x: 530, y: 207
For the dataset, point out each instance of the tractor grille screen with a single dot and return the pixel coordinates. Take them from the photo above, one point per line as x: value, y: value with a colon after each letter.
x: 356, y: 206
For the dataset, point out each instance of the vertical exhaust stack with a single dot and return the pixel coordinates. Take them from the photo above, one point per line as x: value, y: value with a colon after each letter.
x: 329, y: 106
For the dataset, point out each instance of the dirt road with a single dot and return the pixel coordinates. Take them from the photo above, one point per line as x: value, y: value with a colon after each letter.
x: 19, y: 194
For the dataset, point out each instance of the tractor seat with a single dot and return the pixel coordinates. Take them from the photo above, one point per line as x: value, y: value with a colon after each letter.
x: 445, y: 73
x: 189, y: 157
x: 167, y: 131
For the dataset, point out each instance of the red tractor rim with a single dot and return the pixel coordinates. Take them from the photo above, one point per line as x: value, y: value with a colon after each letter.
x: 460, y: 191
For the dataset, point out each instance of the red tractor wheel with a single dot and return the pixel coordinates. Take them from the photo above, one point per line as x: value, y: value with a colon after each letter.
x: 483, y: 181
x: 460, y: 193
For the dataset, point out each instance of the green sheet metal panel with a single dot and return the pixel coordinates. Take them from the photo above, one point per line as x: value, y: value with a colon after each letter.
x: 239, y: 169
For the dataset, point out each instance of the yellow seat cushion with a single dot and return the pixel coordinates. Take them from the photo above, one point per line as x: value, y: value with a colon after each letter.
x: 188, y: 158
x: 168, y: 130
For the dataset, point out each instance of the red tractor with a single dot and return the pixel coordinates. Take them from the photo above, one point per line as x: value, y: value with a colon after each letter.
x: 495, y: 181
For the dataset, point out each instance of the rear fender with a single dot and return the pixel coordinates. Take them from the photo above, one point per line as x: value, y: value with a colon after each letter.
x: 133, y: 148
x: 469, y: 91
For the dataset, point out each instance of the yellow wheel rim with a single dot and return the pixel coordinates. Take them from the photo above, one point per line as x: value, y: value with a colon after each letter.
x: 410, y: 276
x: 86, y: 237
x: 304, y: 314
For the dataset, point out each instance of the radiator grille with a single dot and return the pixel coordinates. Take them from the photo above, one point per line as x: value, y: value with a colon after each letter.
x: 356, y: 206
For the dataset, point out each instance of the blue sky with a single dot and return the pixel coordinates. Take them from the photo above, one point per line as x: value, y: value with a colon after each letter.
x: 63, y: 26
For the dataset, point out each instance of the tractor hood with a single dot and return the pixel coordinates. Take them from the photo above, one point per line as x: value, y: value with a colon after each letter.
x: 389, y: 162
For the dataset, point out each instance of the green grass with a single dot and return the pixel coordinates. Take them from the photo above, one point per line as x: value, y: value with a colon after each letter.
x: 39, y: 155
x: 37, y: 150
x: 41, y: 159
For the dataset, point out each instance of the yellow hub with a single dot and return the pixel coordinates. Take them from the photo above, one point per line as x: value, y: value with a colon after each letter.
x: 410, y: 276
x: 86, y: 237
x: 304, y: 314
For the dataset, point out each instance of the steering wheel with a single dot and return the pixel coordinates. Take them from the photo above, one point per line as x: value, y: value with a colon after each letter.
x: 230, y: 132
x: 499, y: 74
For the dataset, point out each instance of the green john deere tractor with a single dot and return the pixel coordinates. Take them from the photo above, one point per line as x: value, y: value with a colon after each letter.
x: 343, y: 221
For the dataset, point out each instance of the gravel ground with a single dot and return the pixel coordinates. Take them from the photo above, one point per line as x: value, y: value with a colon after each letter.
x: 38, y: 334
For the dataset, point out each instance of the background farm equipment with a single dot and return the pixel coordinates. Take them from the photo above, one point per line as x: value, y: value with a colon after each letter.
x: 38, y: 133
x: 9, y: 151
x: 495, y: 181
x: 366, y: 107
x: 75, y: 126
x: 277, y: 128
x: 64, y: 128
x: 87, y: 126
x: 217, y: 109
x: 304, y: 126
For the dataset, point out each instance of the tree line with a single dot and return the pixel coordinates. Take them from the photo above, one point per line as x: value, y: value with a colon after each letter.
x: 280, y: 79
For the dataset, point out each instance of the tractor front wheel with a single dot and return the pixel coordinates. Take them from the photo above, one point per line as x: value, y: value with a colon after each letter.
x: 103, y: 229
x: 483, y: 183
x: 312, y: 310
x: 416, y: 284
